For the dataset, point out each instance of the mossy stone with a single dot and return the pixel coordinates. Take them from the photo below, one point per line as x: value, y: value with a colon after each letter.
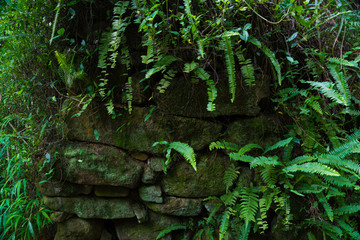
x: 97, y: 164
x: 111, y: 191
x: 55, y: 188
x: 151, y: 194
x: 130, y: 229
x: 131, y: 132
x: 177, y: 206
x: 92, y: 207
x: 182, y: 181
x: 79, y: 229
x: 190, y: 99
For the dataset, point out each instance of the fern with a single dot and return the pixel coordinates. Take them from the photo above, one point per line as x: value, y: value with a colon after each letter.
x: 184, y: 149
x: 249, y: 204
x: 243, y: 158
x: 279, y: 144
x: 339, y: 181
x: 265, y: 161
x: 333, y: 160
x: 211, y: 89
x: 327, y: 88
x: 223, y: 145
x: 224, y: 223
x: 170, y: 229
x: 347, y: 210
x: 247, y: 68
x: 301, y: 159
x: 230, y: 176
x: 129, y: 94
x: 270, y: 55
x: 341, y: 83
x: 247, y: 148
x: 349, y: 230
x: 326, y: 205
x: 312, y: 167
x: 268, y: 174
x: 230, y: 65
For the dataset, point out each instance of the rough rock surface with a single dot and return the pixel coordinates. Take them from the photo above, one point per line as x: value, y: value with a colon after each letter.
x: 92, y: 207
x: 111, y: 191
x: 186, y: 98
x: 140, y: 135
x: 55, y: 188
x: 97, y: 164
x: 129, y: 229
x: 79, y: 229
x: 182, y: 181
x: 177, y: 206
x: 151, y: 194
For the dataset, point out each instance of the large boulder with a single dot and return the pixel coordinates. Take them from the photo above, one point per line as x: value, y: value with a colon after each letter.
x: 182, y: 181
x: 92, y: 207
x: 131, y: 131
x: 97, y: 164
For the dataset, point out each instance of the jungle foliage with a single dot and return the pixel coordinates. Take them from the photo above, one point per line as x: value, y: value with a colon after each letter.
x: 304, y: 183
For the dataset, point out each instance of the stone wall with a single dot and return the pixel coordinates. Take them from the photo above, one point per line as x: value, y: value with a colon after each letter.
x: 109, y: 182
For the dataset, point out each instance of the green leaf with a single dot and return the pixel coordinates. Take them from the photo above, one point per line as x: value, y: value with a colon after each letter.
x: 312, y: 167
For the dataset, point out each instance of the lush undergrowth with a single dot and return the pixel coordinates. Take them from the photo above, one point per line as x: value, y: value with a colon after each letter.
x: 28, y: 116
x: 311, y: 48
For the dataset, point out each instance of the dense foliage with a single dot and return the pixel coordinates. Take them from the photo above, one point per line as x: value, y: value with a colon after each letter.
x: 26, y: 119
x: 306, y: 182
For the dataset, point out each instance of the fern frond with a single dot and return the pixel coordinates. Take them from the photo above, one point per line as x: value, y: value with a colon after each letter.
x: 213, y: 212
x: 263, y: 215
x: 245, y: 231
x: 339, y: 181
x: 211, y: 89
x: 301, y: 159
x: 224, y: 225
x: 349, y: 230
x: 329, y: 229
x: 322, y: 199
x: 327, y: 88
x: 249, y: 204
x: 342, y: 62
x: 265, y: 161
x: 186, y: 151
x: 341, y: 83
x: 268, y: 174
x: 169, y: 229
x: 346, y: 148
x: 223, y: 145
x: 248, y: 147
x: 243, y: 158
x: 129, y: 93
x: 279, y: 144
x: 274, y: 62
x: 230, y: 198
x: 348, y: 209
x: 230, y: 176
x: 309, y: 188
x: 336, y: 161
x: 312, y: 167
x: 247, y: 68
x: 230, y: 65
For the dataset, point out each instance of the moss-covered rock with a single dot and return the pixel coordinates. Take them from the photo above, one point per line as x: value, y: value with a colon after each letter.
x: 111, y: 191
x: 131, y: 132
x: 186, y: 98
x: 79, y: 229
x: 182, y: 181
x: 177, y: 206
x: 92, y: 207
x: 130, y: 229
x: 151, y: 194
x: 55, y: 188
x: 262, y: 130
x: 97, y: 164
x: 149, y: 176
